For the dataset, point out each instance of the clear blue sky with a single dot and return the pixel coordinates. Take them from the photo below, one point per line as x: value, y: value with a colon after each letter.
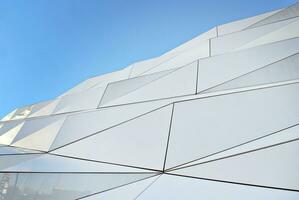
x: 49, y: 46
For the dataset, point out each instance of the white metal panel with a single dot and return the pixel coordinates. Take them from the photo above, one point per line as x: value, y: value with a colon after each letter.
x: 180, y: 82
x: 178, y: 188
x: 40, y: 138
x: 185, y: 58
x: 118, y: 89
x: 51, y: 163
x: 219, y: 69
x: 68, y: 186
x: 287, y: 13
x: 239, y: 25
x: 88, y: 99
x: 140, y: 142
x: 218, y: 123
x: 289, y: 31
x: 283, y: 70
x: 272, y: 167
x: 238, y: 40
x: 127, y: 192
x: 80, y: 125
x: 285, y: 135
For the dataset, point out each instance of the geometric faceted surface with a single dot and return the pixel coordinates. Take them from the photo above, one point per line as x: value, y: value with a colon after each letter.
x: 230, y: 120
x: 180, y: 187
x: 129, y: 144
x: 214, y: 118
x: 283, y: 70
x: 265, y: 167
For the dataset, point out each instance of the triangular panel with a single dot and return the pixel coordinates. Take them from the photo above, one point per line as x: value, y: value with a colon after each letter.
x: 178, y: 188
x: 140, y: 142
x: 127, y: 192
x: 283, y: 70
x: 218, y: 123
x: 178, y: 83
x: 266, y: 167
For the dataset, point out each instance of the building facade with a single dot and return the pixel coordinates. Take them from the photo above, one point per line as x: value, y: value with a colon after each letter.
x: 215, y: 118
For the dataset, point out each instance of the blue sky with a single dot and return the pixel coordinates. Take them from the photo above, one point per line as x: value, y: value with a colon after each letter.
x: 49, y: 46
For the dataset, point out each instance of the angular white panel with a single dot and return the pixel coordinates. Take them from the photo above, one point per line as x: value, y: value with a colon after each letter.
x: 52, y: 163
x: 217, y: 123
x: 238, y: 40
x: 272, y: 167
x: 219, y: 69
x: 185, y: 58
x: 10, y: 134
x: 88, y: 99
x: 80, y: 125
x: 8, y: 125
x: 289, y: 31
x: 41, y: 139
x: 178, y: 188
x: 127, y: 192
x: 283, y: 70
x: 70, y: 186
x: 9, y: 150
x: 183, y: 54
x: 180, y: 82
x: 140, y: 68
x: 242, y: 24
x: 193, y: 43
x: 11, y: 160
x: 140, y: 142
x: 118, y: 89
x: 290, y: 12
x: 283, y: 136
x: 44, y: 108
x: 99, y: 81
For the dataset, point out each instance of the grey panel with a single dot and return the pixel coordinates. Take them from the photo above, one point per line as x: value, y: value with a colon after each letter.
x: 195, y: 42
x: 140, y: 142
x: 8, y: 150
x: 43, y: 186
x: 265, y: 167
x: 34, y: 125
x: 200, y: 51
x: 218, y: 123
x: 52, y: 163
x: 235, y: 41
x: 39, y: 133
x: 282, y: 136
x: 44, y: 108
x: 178, y: 83
x: 127, y: 192
x: 188, y: 52
x: 290, y: 12
x: 140, y: 68
x: 99, y: 81
x: 283, y: 70
x: 239, y: 25
x: 11, y: 160
x: 289, y: 31
x: 6, y: 126
x: 80, y: 125
x: 178, y: 188
x: 85, y: 100
x: 219, y: 69
x: 9, y: 131
x: 118, y: 89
